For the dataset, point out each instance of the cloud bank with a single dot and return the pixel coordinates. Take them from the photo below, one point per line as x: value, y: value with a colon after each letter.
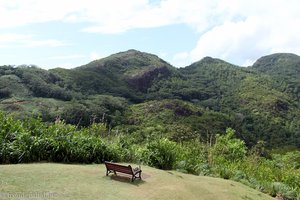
x: 239, y: 31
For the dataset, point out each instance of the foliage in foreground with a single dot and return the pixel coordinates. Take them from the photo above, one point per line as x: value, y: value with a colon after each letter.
x: 31, y: 140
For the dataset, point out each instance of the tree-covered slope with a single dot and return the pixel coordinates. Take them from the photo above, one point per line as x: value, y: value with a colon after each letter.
x: 284, y: 68
x: 261, y: 102
x: 176, y: 119
x: 127, y: 74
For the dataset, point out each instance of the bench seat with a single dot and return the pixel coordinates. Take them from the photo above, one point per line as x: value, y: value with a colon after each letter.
x: 113, y: 168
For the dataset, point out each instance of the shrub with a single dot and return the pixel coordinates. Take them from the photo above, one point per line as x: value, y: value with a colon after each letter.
x: 194, y: 158
x: 162, y: 154
x: 105, y: 152
x: 227, y: 148
x: 225, y: 173
x: 278, y: 188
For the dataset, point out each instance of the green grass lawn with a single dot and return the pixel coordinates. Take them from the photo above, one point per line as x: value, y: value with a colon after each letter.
x: 64, y: 181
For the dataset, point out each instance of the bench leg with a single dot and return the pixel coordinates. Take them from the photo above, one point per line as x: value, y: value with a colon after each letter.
x: 135, y: 176
x: 110, y: 171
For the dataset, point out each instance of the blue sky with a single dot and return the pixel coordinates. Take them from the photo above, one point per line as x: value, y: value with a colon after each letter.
x: 65, y: 33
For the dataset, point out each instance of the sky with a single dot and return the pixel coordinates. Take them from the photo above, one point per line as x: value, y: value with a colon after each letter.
x: 68, y: 33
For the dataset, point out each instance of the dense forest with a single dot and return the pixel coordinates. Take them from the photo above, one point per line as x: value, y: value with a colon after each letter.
x: 134, y: 92
x: 210, y: 118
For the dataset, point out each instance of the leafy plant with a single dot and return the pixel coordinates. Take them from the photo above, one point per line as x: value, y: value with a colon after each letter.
x: 227, y: 148
x: 162, y: 154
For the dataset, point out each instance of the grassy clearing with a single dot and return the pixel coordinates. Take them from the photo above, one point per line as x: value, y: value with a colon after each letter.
x: 63, y: 181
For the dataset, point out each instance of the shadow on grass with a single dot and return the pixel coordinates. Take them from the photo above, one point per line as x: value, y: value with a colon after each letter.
x: 175, y: 175
x: 125, y: 179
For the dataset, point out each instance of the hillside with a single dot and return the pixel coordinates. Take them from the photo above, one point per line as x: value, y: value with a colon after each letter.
x: 284, y: 68
x: 177, y: 119
x: 260, y: 102
x: 60, y: 181
x: 128, y: 74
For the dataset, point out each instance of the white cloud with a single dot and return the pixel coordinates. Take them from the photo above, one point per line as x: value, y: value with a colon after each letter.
x: 162, y: 54
x: 6, y: 40
x: 248, y: 63
x: 10, y: 40
x: 47, y: 43
x: 12, y: 37
x: 112, y: 16
x: 64, y: 65
x: 16, y: 13
x: 231, y: 40
x: 238, y: 31
x: 142, y: 14
x: 95, y: 56
x: 181, y: 59
x: 264, y: 27
x: 66, y: 57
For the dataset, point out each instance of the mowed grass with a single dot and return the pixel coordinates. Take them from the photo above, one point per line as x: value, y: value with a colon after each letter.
x: 66, y: 181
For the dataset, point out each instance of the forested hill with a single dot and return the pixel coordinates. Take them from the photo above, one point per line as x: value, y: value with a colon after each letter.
x: 140, y: 93
x: 284, y: 68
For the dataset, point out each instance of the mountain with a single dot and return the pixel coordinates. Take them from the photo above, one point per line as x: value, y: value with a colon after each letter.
x: 279, y: 64
x: 27, y: 81
x: 284, y: 68
x: 254, y: 96
x: 127, y: 74
x: 260, y: 102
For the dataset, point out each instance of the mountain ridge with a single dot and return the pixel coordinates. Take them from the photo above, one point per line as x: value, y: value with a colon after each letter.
x: 260, y: 105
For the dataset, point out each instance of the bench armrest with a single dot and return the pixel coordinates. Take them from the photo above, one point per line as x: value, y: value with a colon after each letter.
x: 137, y: 169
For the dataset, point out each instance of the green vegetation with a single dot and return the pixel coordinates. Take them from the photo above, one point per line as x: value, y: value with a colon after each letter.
x: 285, y: 70
x: 135, y: 107
x: 259, y: 102
x: 31, y: 140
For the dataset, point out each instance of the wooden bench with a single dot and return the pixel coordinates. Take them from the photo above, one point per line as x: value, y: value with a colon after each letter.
x: 113, y: 168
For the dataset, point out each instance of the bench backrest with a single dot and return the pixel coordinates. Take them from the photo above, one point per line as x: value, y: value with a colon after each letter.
x: 118, y: 168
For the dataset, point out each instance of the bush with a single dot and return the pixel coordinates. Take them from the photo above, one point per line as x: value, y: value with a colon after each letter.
x: 194, y: 158
x: 281, y: 189
x: 228, y: 149
x: 162, y: 154
x: 31, y: 140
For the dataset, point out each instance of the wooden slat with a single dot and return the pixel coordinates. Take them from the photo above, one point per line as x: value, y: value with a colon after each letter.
x: 119, y: 168
x: 112, y: 167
